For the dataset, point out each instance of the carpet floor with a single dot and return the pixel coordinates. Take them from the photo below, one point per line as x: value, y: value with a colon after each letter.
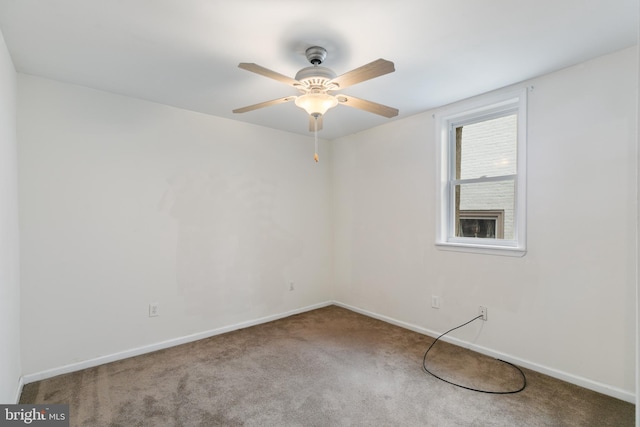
x: 327, y: 367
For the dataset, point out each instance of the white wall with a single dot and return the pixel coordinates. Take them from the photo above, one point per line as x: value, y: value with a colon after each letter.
x: 10, y: 369
x: 567, y: 307
x: 637, y: 402
x: 125, y: 202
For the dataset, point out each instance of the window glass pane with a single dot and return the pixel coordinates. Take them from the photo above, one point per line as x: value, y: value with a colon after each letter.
x: 478, y: 227
x: 487, y: 148
x: 485, y: 210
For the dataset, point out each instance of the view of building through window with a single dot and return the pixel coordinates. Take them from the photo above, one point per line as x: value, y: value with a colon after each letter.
x: 485, y: 173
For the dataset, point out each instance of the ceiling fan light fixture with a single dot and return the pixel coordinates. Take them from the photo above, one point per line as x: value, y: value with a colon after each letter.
x: 316, y: 103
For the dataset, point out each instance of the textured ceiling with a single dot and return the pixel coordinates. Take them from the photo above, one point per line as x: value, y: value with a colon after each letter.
x: 185, y: 52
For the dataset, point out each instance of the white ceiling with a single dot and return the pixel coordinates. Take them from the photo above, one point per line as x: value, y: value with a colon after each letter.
x: 185, y: 52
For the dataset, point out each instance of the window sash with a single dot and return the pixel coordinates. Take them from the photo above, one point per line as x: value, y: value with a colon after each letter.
x: 451, y: 222
x: 498, y: 178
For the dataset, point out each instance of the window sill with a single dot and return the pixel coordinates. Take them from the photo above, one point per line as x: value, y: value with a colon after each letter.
x: 482, y: 249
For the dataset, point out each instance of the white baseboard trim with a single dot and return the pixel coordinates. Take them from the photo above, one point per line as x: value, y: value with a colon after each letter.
x: 19, y: 389
x: 73, y: 367
x: 564, y: 376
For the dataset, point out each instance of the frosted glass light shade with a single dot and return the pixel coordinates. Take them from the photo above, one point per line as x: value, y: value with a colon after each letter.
x: 316, y: 103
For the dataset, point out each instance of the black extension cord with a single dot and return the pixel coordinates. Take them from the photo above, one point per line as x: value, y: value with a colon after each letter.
x: 424, y: 367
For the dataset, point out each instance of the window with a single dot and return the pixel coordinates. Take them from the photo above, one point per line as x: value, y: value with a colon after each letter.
x: 481, y: 163
x: 489, y: 224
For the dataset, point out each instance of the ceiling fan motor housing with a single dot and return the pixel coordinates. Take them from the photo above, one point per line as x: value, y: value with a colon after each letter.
x: 315, y: 77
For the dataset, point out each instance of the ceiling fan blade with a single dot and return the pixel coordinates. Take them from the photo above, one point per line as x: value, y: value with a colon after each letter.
x: 264, y: 104
x: 369, y: 71
x: 255, y: 68
x: 369, y: 106
x: 312, y: 123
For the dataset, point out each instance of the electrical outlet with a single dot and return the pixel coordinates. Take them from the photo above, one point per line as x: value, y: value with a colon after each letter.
x: 154, y: 309
x: 435, y: 301
x: 483, y: 312
x: 291, y: 286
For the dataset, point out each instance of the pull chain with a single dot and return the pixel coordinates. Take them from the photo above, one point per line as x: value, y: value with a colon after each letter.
x: 315, y: 126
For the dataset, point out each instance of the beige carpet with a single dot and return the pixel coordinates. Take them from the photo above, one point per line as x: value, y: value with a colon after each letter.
x: 327, y: 367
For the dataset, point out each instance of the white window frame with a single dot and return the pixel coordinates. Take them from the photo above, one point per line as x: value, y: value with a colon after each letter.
x: 466, y: 112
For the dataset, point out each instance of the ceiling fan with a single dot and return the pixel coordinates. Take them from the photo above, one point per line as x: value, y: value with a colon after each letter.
x: 316, y: 84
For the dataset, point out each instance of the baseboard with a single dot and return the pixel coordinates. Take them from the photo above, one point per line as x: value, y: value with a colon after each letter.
x: 19, y: 389
x: 564, y: 376
x: 73, y: 367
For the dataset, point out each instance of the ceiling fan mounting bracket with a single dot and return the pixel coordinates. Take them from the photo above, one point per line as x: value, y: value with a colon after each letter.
x: 316, y: 55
